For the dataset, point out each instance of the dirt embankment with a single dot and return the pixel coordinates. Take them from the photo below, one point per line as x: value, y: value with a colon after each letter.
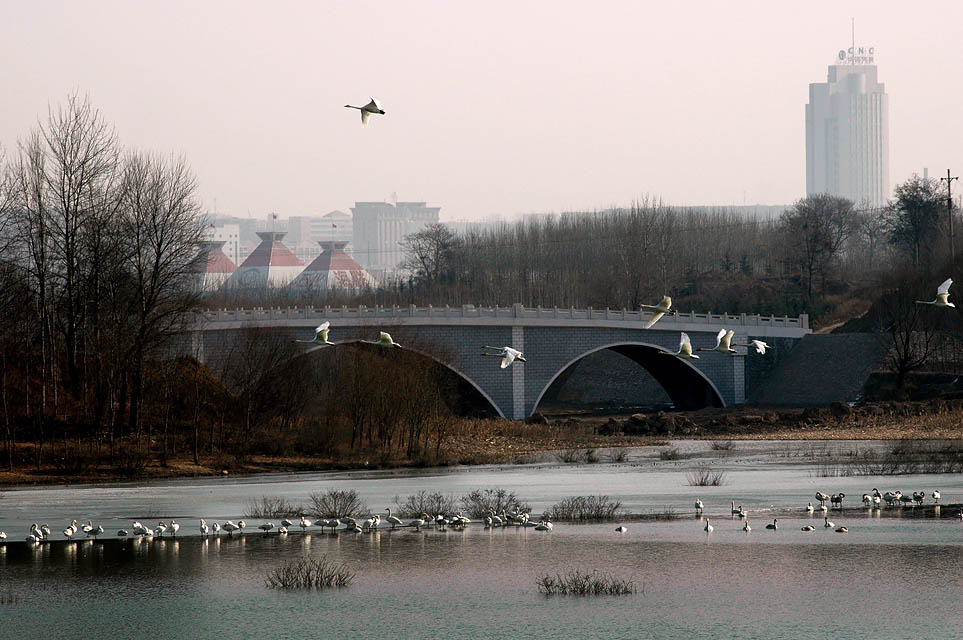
x: 588, y: 435
x: 940, y: 418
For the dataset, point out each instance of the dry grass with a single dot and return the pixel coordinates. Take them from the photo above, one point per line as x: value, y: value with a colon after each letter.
x: 583, y: 583
x: 424, y: 502
x: 671, y: 453
x: 478, y: 503
x: 722, y: 445
x: 706, y: 476
x: 309, y: 574
x: 581, y: 508
x: 500, y: 441
x: 266, y: 507
x: 337, y: 504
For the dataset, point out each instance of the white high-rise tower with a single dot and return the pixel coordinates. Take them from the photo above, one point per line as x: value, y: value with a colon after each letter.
x: 847, y: 131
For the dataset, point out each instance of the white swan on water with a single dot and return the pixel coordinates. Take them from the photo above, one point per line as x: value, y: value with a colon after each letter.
x: 394, y: 520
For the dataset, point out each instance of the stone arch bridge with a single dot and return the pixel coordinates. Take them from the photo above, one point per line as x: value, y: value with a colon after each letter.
x: 552, y: 339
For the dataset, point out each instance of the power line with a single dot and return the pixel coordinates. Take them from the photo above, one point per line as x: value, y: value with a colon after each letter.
x: 949, y: 210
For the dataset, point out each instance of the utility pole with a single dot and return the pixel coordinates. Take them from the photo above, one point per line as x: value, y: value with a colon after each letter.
x: 949, y: 211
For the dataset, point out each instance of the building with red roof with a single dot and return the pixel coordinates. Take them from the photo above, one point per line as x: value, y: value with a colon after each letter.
x: 271, y: 264
x: 333, y: 270
x: 211, y: 267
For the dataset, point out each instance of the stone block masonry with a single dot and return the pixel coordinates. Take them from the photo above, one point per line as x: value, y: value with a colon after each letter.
x: 551, y: 339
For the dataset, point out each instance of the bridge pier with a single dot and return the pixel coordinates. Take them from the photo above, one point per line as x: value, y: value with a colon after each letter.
x: 518, y: 376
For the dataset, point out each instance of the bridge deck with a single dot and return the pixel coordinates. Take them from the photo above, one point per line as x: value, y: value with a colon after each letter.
x: 515, y: 315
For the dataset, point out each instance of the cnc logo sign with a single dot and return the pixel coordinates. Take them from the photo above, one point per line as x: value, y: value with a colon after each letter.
x: 858, y: 55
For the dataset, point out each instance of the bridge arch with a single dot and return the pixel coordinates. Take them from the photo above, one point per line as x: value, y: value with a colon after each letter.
x: 461, y: 376
x: 686, y: 385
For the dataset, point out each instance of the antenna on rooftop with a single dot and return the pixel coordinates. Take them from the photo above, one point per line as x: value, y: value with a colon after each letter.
x: 853, y: 50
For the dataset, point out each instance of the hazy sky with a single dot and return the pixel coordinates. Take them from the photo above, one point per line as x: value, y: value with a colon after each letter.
x: 492, y: 107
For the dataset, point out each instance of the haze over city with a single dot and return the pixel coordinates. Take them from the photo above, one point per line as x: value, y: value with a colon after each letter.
x: 499, y: 109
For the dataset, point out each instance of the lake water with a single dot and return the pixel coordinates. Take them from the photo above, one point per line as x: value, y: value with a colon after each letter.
x: 896, y: 574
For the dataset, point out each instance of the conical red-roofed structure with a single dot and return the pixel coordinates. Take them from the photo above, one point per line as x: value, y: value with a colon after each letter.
x: 211, y: 267
x: 333, y: 270
x: 271, y: 264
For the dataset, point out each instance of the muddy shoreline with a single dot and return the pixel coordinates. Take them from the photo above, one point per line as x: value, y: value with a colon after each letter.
x: 508, y: 442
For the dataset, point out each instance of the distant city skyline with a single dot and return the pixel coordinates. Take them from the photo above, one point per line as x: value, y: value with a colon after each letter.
x: 490, y: 111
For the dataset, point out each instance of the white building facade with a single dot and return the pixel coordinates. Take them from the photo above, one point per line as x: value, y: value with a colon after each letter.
x: 380, y: 228
x: 847, y: 131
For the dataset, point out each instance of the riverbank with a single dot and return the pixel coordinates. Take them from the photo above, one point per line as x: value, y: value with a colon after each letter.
x: 583, y: 436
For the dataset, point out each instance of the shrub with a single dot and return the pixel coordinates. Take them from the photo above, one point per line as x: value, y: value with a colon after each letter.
x: 272, y: 507
x: 585, y: 508
x: 479, y: 502
x: 571, y: 456
x: 706, y: 476
x: 309, y: 574
x: 578, y: 583
x: 618, y: 455
x: 337, y: 504
x: 424, y: 502
x: 722, y: 445
x: 667, y: 513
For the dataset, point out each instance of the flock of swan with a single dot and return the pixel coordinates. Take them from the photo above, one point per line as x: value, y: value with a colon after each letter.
x: 509, y: 355
x: 872, y: 500
x: 346, y: 524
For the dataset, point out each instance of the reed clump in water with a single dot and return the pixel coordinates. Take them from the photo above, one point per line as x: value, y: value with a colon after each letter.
x: 706, y: 476
x: 583, y: 583
x: 272, y: 507
x: 671, y: 453
x: 478, y: 503
x: 337, y: 504
x: 309, y: 573
x: 585, y: 508
x: 722, y: 445
x: 425, y: 502
x: 904, y: 457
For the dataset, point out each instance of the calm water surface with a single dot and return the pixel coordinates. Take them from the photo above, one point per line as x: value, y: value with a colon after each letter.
x: 895, y: 575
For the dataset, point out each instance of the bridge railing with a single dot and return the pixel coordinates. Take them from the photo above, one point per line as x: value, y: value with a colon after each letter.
x: 468, y: 311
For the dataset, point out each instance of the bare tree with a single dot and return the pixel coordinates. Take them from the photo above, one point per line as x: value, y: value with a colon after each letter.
x: 909, y: 327
x: 818, y: 225
x: 428, y: 252
x: 916, y: 219
x: 162, y: 228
